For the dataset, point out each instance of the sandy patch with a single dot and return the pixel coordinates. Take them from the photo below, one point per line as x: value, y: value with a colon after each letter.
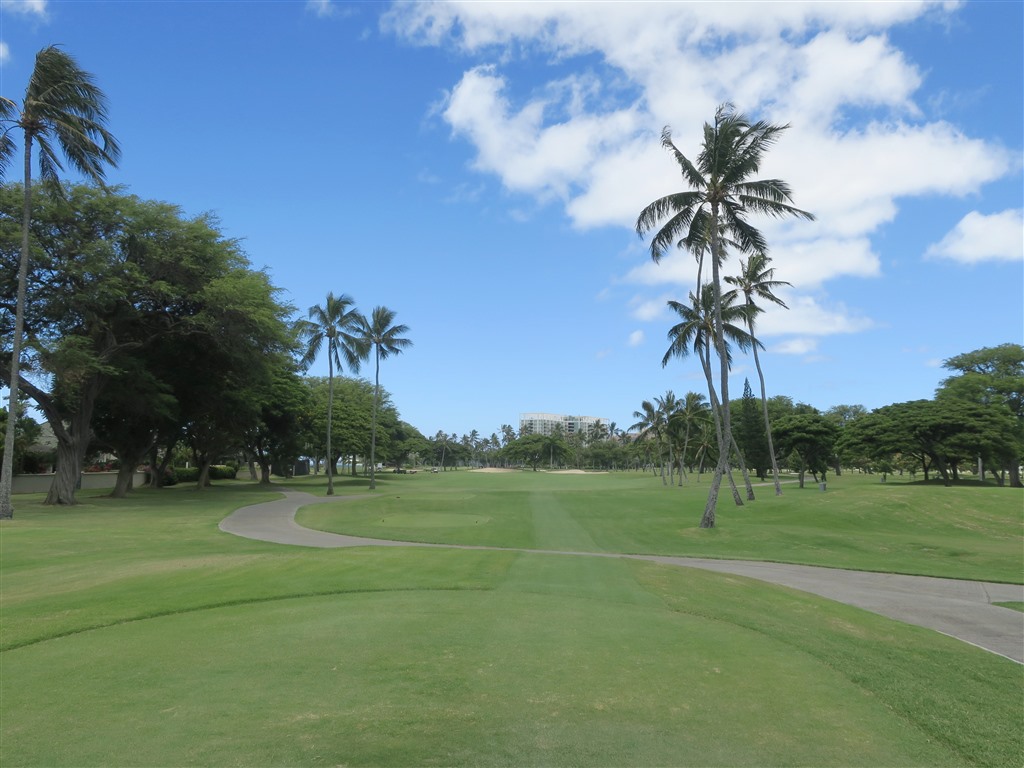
x: 494, y: 469
x: 574, y: 472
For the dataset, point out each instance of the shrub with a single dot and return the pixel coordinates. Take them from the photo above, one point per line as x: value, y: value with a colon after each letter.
x: 223, y: 471
x: 187, y: 474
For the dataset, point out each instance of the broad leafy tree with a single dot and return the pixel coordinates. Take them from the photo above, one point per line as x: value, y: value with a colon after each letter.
x: 810, y: 438
x: 119, y: 278
x: 991, y: 376
x: 941, y: 435
x: 722, y: 192
x: 63, y: 113
x: 336, y: 321
x: 384, y: 336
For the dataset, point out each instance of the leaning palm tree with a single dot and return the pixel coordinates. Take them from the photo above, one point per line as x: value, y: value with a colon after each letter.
x: 386, y: 340
x: 722, y: 193
x: 63, y: 113
x: 337, y: 321
x: 756, y: 278
x: 696, y: 333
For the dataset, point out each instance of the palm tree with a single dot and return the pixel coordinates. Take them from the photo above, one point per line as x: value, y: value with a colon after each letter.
x: 386, y: 340
x: 63, y: 110
x: 756, y: 278
x: 649, y: 427
x: 667, y: 407
x: 695, y: 333
x: 691, y: 410
x: 714, y: 211
x: 337, y: 321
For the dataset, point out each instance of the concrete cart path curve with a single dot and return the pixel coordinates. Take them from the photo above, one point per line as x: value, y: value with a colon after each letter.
x: 960, y: 609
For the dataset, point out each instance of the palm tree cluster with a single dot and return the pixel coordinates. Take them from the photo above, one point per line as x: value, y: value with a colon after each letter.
x: 674, y: 433
x: 711, y: 216
x: 350, y: 336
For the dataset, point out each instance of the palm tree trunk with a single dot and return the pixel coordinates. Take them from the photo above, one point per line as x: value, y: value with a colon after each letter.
x: 743, y: 470
x: 330, y: 405
x: 764, y: 407
x: 705, y: 359
x: 373, y: 423
x: 7, y: 471
x: 725, y: 438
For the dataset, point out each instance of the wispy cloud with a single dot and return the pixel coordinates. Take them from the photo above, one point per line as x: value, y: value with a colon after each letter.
x: 322, y: 8
x: 636, y: 338
x: 5, y: 52
x: 978, y: 237
x: 35, y: 8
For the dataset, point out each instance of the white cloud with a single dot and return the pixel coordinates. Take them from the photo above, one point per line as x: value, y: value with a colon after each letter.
x: 5, y: 52
x: 528, y: 153
x: 859, y: 142
x: 25, y: 7
x: 646, y: 309
x: 807, y: 317
x: 978, y: 237
x: 801, y: 346
x: 636, y: 338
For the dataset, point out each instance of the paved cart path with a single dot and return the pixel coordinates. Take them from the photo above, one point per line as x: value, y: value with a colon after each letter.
x: 961, y: 609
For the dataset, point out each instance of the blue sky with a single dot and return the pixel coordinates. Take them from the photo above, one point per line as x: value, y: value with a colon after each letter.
x: 479, y: 167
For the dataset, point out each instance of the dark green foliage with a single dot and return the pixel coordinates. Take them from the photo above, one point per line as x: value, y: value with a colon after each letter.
x: 941, y: 435
x: 810, y: 439
x: 994, y: 377
x: 750, y: 433
x: 142, y: 318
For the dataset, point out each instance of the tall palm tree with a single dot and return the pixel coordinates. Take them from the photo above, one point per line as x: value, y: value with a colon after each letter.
x: 696, y: 333
x: 63, y: 113
x: 722, y: 192
x: 386, y: 339
x: 756, y: 278
x: 337, y: 322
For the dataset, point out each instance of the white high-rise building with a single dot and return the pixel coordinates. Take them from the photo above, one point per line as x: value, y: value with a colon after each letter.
x: 546, y: 423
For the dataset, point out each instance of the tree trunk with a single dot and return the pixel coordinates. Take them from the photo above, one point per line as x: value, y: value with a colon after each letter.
x: 72, y: 443
x: 7, y: 469
x: 708, y: 520
x: 743, y: 471
x: 67, y: 475
x: 725, y: 437
x: 124, y: 481
x: 764, y: 407
x: 331, y: 462
x: 1015, y: 481
x: 373, y: 423
x: 204, y: 474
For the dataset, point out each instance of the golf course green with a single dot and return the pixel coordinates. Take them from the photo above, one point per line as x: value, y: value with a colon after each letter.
x: 134, y: 632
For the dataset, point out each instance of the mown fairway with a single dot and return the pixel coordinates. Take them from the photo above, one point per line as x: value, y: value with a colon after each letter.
x: 136, y: 633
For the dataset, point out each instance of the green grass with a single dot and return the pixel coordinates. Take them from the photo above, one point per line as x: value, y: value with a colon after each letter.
x: 136, y: 633
x: 960, y: 532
